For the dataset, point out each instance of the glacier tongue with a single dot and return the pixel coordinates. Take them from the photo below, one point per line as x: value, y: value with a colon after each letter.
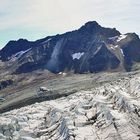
x: 106, y: 112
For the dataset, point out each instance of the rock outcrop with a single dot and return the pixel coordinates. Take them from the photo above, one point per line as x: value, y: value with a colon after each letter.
x: 5, y: 83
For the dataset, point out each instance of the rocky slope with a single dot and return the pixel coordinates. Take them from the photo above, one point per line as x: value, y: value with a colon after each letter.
x: 108, y: 110
x: 91, y: 48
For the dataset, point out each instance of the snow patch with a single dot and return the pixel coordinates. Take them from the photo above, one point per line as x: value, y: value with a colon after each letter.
x: 77, y: 55
x: 97, y: 50
x: 46, y: 41
x: 122, y: 52
x: 121, y: 37
x: 112, y: 48
x: 116, y: 46
x: 62, y: 73
x: 113, y: 38
x: 118, y: 38
x: 19, y: 54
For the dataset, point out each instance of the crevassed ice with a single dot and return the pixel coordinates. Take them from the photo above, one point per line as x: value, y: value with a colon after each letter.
x: 77, y: 55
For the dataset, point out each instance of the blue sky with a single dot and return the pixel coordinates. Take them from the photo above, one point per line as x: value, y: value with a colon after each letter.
x: 34, y: 19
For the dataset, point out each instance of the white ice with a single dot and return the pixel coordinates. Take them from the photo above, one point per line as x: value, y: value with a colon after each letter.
x: 77, y: 55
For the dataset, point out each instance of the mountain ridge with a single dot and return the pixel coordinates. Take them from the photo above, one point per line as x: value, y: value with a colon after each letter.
x: 101, y: 48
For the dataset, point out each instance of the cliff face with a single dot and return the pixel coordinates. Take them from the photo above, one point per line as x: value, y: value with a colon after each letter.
x: 91, y: 48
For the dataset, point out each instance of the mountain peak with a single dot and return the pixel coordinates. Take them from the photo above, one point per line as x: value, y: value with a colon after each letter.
x: 90, y: 25
x: 90, y: 48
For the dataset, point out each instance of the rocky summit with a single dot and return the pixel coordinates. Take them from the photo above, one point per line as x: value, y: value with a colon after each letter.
x: 80, y: 85
x: 91, y: 48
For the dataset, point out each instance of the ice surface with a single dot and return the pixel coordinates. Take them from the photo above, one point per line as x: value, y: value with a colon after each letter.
x: 77, y: 55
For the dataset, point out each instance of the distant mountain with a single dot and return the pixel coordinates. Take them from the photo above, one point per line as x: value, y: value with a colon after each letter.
x: 14, y: 47
x: 91, y: 48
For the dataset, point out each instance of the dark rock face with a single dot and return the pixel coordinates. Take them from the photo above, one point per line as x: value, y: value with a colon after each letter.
x: 102, y: 60
x: 13, y: 47
x: 4, y: 84
x: 91, y: 48
x: 131, y: 50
